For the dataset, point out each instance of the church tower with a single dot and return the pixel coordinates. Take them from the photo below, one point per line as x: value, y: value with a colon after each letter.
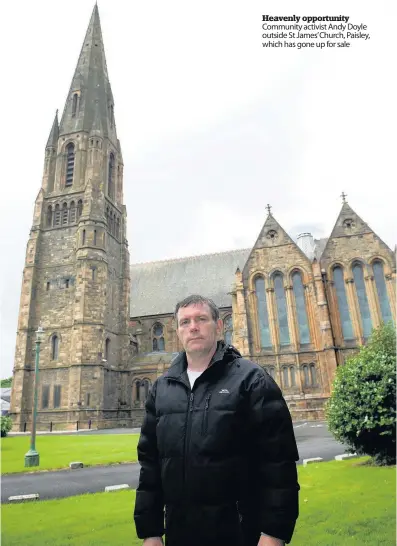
x: 76, y: 276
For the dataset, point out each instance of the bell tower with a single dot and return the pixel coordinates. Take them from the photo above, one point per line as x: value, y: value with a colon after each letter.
x: 76, y: 276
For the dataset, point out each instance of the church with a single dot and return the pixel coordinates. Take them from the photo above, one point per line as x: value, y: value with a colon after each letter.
x: 295, y: 305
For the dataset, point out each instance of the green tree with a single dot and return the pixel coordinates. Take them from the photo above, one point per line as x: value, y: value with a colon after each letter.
x: 6, y: 382
x: 361, y: 411
x: 5, y: 425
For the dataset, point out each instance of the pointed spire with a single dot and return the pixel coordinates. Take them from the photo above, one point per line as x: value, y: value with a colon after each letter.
x: 90, y: 89
x: 54, y: 133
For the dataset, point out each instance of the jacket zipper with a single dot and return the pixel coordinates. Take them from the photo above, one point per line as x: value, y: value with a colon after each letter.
x: 205, y: 418
x: 187, y: 436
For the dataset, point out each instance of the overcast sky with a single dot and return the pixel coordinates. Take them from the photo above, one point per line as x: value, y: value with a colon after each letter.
x: 212, y: 125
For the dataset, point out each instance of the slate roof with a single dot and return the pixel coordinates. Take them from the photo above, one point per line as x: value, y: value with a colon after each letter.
x: 319, y: 245
x: 156, y: 287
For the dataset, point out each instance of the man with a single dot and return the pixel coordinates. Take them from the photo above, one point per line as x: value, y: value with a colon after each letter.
x: 217, y: 448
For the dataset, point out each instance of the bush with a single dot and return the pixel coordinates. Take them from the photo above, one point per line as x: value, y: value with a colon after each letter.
x: 6, y: 425
x: 361, y: 411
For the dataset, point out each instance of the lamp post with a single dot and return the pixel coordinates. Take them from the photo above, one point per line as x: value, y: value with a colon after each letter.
x: 32, y: 457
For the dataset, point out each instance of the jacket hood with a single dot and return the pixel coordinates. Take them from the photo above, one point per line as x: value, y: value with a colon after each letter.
x: 223, y: 353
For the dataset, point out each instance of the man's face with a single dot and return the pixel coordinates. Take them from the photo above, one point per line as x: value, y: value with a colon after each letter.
x: 197, y: 330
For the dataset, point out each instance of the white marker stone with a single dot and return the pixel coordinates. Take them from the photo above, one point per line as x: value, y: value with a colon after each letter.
x: 33, y: 496
x: 313, y: 460
x: 346, y: 456
x: 76, y: 464
x: 110, y: 488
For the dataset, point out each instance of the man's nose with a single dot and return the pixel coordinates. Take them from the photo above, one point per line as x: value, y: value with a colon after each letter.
x: 193, y: 326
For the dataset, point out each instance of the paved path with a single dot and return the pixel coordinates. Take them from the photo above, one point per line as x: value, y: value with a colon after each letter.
x: 314, y: 440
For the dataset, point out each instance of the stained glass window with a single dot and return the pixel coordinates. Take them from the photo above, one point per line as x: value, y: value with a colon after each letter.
x: 263, y: 318
x: 303, y: 324
x: 382, y: 291
x: 347, y: 329
x: 362, y: 299
x: 281, y: 305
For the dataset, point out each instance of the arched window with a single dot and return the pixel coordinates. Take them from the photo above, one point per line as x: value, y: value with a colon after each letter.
x: 306, y: 376
x: 138, y: 391
x: 79, y: 208
x: 343, y: 307
x: 72, y: 213
x: 145, y: 385
x: 107, y: 349
x: 285, y: 377
x: 118, y: 228
x: 107, y: 216
x: 358, y: 276
x: 54, y: 347
x: 380, y: 284
x: 74, y: 104
x: 271, y: 371
x: 69, y: 164
x: 94, y: 273
x: 65, y: 214
x: 313, y: 377
x: 293, y: 376
x: 110, y: 176
x: 94, y: 237
x: 83, y: 241
x: 281, y: 305
x: 158, y: 337
x: 300, y: 304
x: 263, y: 318
x: 49, y: 216
x: 228, y: 329
x: 57, y: 216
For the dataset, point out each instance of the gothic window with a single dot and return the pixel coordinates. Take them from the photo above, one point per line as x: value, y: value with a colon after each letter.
x: 74, y: 104
x: 293, y: 376
x: 285, y: 377
x: 83, y: 240
x: 72, y: 212
x: 45, y: 396
x: 158, y: 337
x: 348, y: 223
x: 271, y: 371
x: 380, y: 284
x: 358, y: 276
x: 94, y: 273
x: 110, y: 176
x: 306, y: 376
x: 48, y: 286
x: 57, y: 396
x: 94, y: 237
x: 107, y: 348
x: 228, y: 329
x: 65, y: 214
x: 88, y: 399
x: 54, y: 347
x: 57, y: 216
x: 313, y: 378
x: 69, y: 164
x: 281, y: 305
x: 49, y: 216
x: 263, y: 318
x: 107, y: 216
x: 138, y: 391
x: 145, y: 385
x: 300, y: 305
x: 343, y: 307
x: 118, y: 228
x: 79, y: 208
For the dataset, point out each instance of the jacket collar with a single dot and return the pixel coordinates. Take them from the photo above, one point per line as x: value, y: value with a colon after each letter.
x: 223, y: 353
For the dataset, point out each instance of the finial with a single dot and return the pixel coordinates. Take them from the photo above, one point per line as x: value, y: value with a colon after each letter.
x: 344, y: 195
x: 269, y: 208
x: 56, y: 113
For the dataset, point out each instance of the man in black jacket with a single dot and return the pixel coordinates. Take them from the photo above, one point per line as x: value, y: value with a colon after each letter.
x: 217, y: 447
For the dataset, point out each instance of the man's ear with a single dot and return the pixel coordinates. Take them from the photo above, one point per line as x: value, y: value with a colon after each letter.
x: 219, y: 328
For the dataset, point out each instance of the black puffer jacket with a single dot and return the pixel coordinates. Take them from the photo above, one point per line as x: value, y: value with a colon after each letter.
x: 220, y: 457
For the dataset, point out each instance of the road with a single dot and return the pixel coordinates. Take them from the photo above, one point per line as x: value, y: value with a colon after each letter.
x: 313, y: 439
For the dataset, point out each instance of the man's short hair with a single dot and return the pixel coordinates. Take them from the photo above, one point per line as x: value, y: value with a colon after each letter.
x: 195, y: 299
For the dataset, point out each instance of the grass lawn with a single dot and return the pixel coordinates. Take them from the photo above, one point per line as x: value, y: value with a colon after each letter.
x: 59, y: 451
x: 341, y: 503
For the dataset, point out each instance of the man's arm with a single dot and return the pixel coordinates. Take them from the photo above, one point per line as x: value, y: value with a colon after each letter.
x: 276, y: 454
x: 149, y: 505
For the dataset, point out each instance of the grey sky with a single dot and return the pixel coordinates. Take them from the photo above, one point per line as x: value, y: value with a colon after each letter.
x: 212, y: 126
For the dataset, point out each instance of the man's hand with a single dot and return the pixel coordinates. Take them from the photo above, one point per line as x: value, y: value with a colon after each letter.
x: 270, y: 541
x: 153, y: 541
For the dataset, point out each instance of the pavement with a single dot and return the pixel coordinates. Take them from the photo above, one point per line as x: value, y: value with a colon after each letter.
x: 313, y: 439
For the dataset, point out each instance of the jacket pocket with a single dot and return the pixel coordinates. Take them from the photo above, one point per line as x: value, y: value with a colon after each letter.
x: 204, y: 426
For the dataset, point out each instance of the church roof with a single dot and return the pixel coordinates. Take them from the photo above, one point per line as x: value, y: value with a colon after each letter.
x: 156, y: 287
x: 319, y: 245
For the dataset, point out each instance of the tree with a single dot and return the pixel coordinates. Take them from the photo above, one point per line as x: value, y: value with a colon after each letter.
x: 361, y: 411
x: 5, y: 425
x: 6, y: 383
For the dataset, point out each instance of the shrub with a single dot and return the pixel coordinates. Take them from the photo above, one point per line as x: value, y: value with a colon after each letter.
x: 361, y: 411
x: 6, y: 425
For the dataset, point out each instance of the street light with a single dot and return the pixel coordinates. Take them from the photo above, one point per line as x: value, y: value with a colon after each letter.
x: 32, y: 457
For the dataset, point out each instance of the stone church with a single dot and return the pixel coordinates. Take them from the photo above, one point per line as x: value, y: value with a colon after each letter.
x: 298, y: 307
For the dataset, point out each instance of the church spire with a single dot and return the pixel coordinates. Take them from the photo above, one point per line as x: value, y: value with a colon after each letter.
x: 90, y: 89
x: 52, y: 141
